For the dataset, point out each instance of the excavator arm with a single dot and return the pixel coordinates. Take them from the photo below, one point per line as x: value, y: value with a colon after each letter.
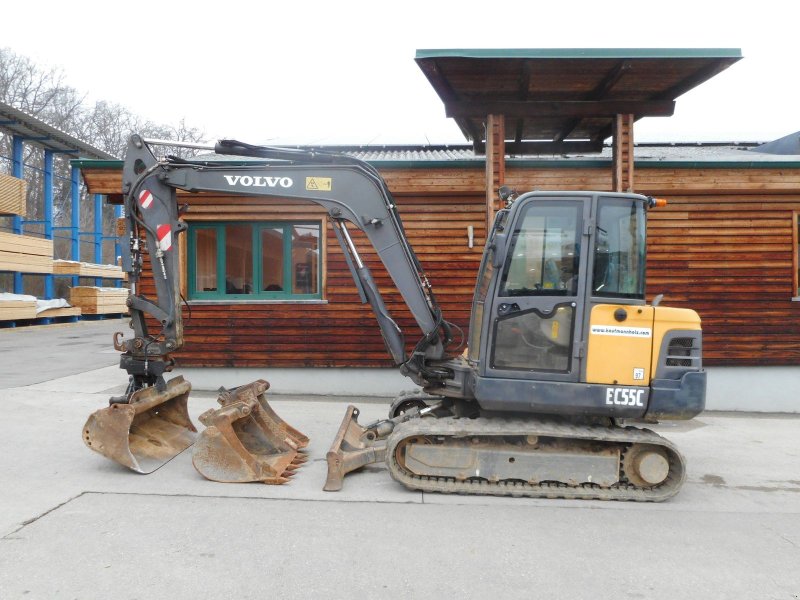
x: 351, y: 191
x: 245, y: 440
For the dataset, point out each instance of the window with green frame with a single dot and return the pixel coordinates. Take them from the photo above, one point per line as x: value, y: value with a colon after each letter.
x: 262, y: 260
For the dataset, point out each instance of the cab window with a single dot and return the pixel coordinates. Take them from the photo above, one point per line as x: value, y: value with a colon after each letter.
x: 543, y: 252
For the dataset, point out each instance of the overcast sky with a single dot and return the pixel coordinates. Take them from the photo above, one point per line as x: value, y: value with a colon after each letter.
x: 344, y: 72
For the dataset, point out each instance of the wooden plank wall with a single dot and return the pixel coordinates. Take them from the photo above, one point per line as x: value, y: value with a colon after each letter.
x: 722, y: 246
x: 339, y: 331
x: 730, y: 259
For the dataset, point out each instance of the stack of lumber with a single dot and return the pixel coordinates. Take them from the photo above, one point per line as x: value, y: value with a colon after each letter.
x: 66, y: 311
x: 99, y: 300
x: 82, y: 269
x: 25, y: 253
x: 12, y: 195
x: 15, y: 307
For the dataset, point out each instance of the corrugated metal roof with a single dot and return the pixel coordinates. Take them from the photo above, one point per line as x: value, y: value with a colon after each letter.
x: 688, y: 152
x: 787, y: 145
x: 36, y: 131
x: 683, y: 154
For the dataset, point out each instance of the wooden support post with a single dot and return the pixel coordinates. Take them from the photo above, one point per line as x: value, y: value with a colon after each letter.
x: 622, y: 154
x: 495, y: 164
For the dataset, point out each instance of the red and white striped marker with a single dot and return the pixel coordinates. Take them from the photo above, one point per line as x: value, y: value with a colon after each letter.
x: 145, y: 198
x: 164, y: 234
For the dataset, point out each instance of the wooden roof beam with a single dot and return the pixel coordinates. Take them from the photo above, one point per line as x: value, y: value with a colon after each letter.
x: 601, y: 90
x: 524, y: 90
x: 560, y: 108
x: 545, y: 147
x: 692, y: 81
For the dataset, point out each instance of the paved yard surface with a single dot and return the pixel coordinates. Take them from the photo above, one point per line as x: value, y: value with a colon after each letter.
x: 75, y: 525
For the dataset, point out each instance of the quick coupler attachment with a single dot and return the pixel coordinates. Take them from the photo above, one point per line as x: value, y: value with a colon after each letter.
x: 353, y: 447
x: 145, y: 432
x: 245, y: 440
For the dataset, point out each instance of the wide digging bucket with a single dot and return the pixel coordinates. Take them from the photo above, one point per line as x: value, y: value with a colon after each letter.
x: 148, y: 431
x: 353, y: 447
x: 245, y: 440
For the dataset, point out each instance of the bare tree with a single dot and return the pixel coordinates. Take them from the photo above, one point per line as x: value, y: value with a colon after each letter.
x: 43, y: 93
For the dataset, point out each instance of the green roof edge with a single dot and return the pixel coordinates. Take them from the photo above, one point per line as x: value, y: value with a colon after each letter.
x: 515, y: 162
x: 579, y: 53
x: 82, y: 163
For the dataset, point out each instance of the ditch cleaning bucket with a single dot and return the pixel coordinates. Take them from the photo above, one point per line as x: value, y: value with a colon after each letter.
x: 147, y: 431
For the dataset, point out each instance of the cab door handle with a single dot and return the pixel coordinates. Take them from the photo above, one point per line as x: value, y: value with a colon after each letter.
x: 506, y: 308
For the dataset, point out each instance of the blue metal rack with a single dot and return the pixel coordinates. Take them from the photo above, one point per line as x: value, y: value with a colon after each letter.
x: 24, y: 129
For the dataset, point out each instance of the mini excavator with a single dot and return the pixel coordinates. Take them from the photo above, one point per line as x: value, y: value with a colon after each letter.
x: 565, y: 361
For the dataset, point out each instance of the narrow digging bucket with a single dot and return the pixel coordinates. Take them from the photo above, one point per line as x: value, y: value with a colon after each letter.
x: 245, y: 440
x: 352, y: 448
x: 148, y: 431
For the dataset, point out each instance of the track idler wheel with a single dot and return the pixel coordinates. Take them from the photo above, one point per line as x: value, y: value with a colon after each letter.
x: 645, y: 465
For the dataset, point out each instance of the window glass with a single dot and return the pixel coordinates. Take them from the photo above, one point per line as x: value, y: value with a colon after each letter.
x: 481, y: 289
x: 543, y: 252
x: 272, y: 259
x: 619, y: 255
x: 238, y: 259
x: 305, y: 259
x: 533, y: 340
x: 206, y: 260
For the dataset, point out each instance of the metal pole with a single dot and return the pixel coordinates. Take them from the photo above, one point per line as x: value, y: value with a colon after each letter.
x: 98, y: 234
x: 75, y: 250
x: 156, y: 142
x: 18, y: 170
x: 48, y: 214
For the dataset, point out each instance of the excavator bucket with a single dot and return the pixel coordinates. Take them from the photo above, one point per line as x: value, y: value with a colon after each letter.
x: 147, y: 431
x: 353, y: 447
x: 245, y: 440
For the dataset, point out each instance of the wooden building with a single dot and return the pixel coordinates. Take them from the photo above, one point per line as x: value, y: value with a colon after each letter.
x: 726, y: 245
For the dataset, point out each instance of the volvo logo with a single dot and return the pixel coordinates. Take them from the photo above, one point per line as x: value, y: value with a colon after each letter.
x: 259, y: 181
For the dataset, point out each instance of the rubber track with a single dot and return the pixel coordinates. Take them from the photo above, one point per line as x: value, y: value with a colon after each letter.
x: 452, y: 427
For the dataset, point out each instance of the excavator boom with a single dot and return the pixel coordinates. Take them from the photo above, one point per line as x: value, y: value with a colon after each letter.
x: 153, y: 430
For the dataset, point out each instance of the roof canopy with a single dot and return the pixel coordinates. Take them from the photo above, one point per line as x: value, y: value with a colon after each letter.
x: 787, y: 145
x: 564, y: 100
x: 18, y: 123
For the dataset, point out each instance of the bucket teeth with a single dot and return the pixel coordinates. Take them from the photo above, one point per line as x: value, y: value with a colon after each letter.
x: 245, y: 440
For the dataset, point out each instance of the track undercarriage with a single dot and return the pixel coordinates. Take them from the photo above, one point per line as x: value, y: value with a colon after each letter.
x: 526, y: 456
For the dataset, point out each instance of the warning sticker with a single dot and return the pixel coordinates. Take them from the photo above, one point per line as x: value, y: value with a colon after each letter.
x: 322, y: 184
x: 639, y: 332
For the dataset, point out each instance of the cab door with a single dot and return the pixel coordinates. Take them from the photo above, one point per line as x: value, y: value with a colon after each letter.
x: 537, y: 308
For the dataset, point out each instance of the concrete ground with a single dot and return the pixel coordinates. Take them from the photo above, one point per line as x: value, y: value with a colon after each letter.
x: 75, y: 525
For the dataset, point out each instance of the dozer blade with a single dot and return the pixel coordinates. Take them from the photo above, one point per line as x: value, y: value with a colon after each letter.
x: 353, y: 447
x: 148, y: 431
x: 245, y: 440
